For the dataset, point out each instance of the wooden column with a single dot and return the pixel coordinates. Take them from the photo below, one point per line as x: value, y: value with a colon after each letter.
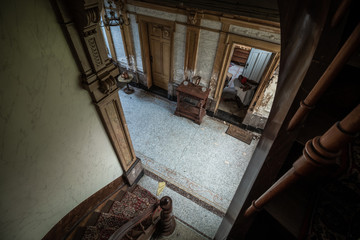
x: 219, y: 59
x: 81, y: 23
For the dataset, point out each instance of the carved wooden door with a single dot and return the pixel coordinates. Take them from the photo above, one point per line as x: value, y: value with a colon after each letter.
x: 160, y: 53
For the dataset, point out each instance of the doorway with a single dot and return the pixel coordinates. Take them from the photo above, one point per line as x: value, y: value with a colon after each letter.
x: 243, y: 76
x: 160, y: 54
x: 248, y: 66
x: 156, y: 39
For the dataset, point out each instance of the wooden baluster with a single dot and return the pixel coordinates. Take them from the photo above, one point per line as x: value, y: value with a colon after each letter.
x: 331, y: 72
x: 319, y: 158
x: 167, y: 220
x: 340, y: 12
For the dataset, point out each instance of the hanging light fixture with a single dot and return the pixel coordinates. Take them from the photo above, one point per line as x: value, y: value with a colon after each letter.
x: 113, y: 15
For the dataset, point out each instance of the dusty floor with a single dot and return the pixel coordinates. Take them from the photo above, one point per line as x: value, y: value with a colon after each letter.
x: 201, y: 160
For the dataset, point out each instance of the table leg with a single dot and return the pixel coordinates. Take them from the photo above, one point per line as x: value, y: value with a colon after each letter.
x: 128, y: 90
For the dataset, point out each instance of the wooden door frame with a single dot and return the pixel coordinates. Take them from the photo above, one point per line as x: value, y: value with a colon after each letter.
x: 231, y: 41
x: 142, y: 21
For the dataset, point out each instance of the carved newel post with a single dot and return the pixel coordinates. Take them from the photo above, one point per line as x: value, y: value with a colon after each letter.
x: 167, y: 220
x: 80, y: 19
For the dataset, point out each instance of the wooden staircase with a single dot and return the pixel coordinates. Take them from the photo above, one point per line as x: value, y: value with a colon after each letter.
x: 134, y: 214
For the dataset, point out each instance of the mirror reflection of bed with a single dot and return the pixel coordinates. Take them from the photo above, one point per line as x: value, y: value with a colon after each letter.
x: 242, y: 79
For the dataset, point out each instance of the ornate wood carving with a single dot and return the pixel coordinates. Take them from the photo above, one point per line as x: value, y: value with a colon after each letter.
x: 192, y: 41
x: 115, y: 123
x: 191, y: 52
x: 81, y: 21
x: 108, y: 85
x: 167, y: 30
x: 194, y: 16
x: 94, y: 49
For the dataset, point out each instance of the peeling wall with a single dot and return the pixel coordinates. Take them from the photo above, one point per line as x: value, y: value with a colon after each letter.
x: 179, y: 53
x: 119, y: 45
x: 254, y: 33
x: 258, y: 117
x: 208, y: 42
x: 54, y: 151
x: 264, y: 104
x: 210, y: 24
x: 106, y: 42
x: 136, y: 39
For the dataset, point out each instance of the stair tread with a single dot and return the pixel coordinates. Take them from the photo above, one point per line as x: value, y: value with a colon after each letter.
x: 108, y: 220
x: 115, y: 213
x: 129, y: 206
x: 145, y: 195
x: 93, y: 233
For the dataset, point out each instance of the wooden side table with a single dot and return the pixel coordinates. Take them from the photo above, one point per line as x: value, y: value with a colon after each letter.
x: 191, y: 101
x: 127, y: 90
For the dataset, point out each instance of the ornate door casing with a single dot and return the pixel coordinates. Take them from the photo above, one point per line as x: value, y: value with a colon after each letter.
x: 152, y: 29
x: 80, y: 20
x: 160, y: 54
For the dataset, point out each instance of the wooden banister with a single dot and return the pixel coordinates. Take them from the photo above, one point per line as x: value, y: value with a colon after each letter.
x: 319, y: 158
x: 324, y: 82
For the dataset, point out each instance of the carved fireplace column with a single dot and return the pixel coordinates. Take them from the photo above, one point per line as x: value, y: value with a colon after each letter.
x: 80, y: 19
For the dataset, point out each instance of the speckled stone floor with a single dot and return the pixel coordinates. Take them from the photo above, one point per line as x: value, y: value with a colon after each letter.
x: 201, y: 160
x: 182, y: 232
x: 204, y: 223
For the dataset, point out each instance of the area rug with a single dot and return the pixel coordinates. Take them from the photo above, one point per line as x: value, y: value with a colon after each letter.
x: 241, y: 134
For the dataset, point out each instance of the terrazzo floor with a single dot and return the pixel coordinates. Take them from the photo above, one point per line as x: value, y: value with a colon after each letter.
x: 204, y: 222
x: 182, y: 232
x: 201, y: 160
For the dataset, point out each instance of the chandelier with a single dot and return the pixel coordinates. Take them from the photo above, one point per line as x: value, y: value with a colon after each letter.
x: 112, y: 15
